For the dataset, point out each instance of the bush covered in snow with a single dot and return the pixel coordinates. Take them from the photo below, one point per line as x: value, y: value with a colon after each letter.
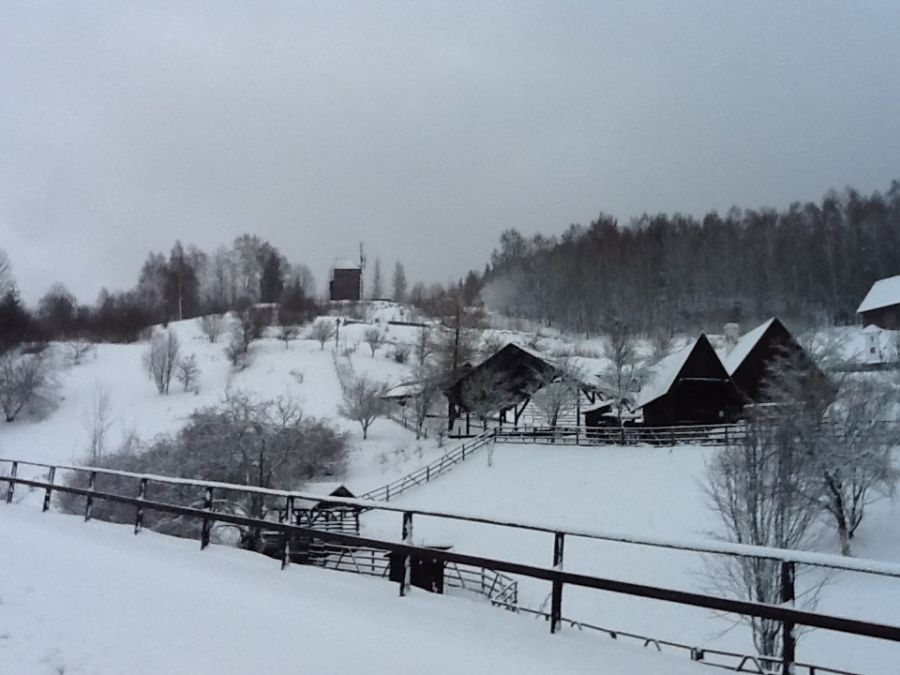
x: 263, y: 443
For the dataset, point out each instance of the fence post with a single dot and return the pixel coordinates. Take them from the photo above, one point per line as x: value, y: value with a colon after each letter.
x: 464, y: 452
x: 139, y: 514
x: 556, y: 593
x: 286, y: 548
x: 12, y: 482
x: 428, y: 471
x: 788, y: 638
x: 50, y: 478
x: 407, y: 562
x: 387, y: 493
x: 89, y: 501
x: 207, y: 523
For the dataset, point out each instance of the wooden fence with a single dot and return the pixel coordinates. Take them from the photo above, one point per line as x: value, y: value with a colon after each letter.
x: 787, y: 615
x: 429, y: 472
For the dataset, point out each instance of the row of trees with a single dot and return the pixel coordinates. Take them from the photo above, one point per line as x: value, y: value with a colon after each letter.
x: 808, y: 263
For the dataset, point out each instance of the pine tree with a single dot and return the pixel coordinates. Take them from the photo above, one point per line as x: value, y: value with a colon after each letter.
x: 377, y: 287
x: 399, y: 282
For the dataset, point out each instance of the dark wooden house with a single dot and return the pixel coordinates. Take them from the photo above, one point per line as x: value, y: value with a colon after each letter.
x: 346, y: 281
x: 881, y: 306
x: 751, y: 362
x: 689, y: 386
x: 506, y: 382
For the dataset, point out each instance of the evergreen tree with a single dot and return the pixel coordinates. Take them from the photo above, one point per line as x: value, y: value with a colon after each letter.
x: 399, y: 283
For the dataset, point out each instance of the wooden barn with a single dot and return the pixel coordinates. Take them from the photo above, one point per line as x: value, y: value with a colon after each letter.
x: 690, y: 386
x: 881, y: 306
x: 756, y: 353
x: 504, y: 385
x: 750, y: 360
x: 346, y: 281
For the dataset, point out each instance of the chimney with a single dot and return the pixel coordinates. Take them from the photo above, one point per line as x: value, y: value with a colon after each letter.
x: 732, y: 334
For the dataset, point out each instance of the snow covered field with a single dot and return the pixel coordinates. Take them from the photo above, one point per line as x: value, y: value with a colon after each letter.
x: 637, y: 490
x: 92, y: 599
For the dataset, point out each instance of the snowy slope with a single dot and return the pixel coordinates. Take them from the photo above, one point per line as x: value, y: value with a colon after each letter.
x: 301, y: 371
x: 640, y: 491
x: 93, y: 599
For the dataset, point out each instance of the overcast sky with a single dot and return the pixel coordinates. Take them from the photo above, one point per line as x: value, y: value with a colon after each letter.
x: 423, y: 129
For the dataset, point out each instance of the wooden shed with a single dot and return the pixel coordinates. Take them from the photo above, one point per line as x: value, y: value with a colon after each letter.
x: 750, y: 360
x: 509, y: 377
x: 881, y: 306
x: 757, y: 352
x: 346, y: 281
x: 690, y: 386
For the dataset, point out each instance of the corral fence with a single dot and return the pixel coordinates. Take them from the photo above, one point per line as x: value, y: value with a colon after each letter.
x: 429, y: 472
x: 786, y: 614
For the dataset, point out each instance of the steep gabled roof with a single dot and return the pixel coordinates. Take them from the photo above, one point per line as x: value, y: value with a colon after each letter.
x: 663, y: 374
x: 884, y: 293
x: 521, y: 371
x: 733, y: 359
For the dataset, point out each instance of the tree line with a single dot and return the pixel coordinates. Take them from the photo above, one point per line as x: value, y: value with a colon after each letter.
x: 811, y: 263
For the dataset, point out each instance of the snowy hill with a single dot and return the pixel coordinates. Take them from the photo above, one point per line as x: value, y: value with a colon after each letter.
x: 116, y: 603
x: 641, y: 491
x: 634, y: 490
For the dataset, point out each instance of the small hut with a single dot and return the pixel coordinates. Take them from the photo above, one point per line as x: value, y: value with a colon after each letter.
x: 689, y: 386
x: 346, y: 281
x: 324, y: 515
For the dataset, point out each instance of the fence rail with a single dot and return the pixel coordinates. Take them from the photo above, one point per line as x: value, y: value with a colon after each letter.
x: 787, y: 615
x: 500, y: 589
x: 429, y: 472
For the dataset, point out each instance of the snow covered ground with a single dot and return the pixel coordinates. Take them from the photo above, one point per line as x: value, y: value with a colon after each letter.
x: 650, y: 491
x: 301, y: 371
x: 92, y: 599
x: 637, y: 490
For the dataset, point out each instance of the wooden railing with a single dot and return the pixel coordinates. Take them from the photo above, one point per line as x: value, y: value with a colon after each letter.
x: 429, y: 472
x: 500, y: 589
x: 789, y: 616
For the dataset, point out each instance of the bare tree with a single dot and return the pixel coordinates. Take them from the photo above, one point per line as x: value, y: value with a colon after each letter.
x: 188, y: 372
x: 79, y: 349
x: 212, y: 326
x: 288, y: 332
x: 622, y: 379
x: 97, y: 422
x: 362, y: 402
x: 243, y: 332
x: 373, y: 338
x: 758, y: 487
x: 559, y: 392
x: 27, y: 381
x: 161, y: 358
x: 322, y: 330
x: 852, y: 458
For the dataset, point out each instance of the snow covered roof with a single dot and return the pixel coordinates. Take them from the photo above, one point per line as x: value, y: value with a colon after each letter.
x: 324, y: 488
x: 403, y: 390
x: 884, y: 292
x: 663, y: 374
x: 345, y: 264
x: 744, y: 346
